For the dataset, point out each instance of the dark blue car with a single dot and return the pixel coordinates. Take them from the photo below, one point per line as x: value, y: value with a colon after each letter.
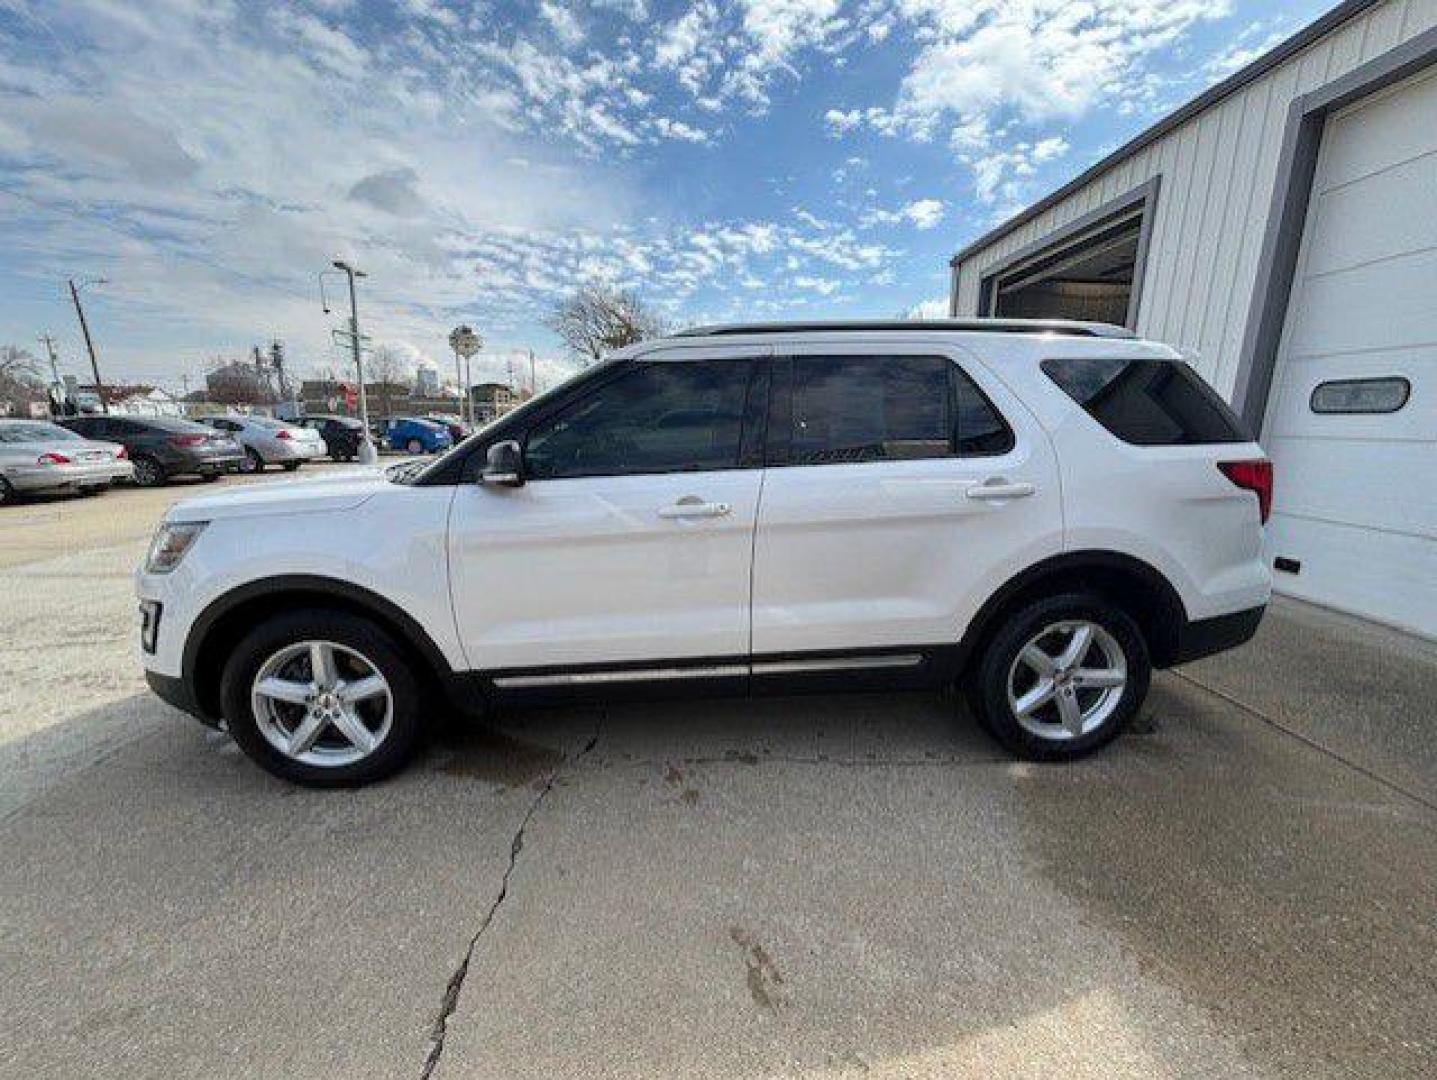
x: 416, y: 436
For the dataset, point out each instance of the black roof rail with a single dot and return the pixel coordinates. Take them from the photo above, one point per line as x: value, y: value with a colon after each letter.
x: 980, y: 326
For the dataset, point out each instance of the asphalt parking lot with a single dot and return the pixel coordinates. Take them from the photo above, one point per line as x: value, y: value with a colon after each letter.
x: 1245, y: 885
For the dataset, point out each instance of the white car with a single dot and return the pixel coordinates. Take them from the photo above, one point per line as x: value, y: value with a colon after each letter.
x: 1043, y: 512
x: 40, y: 457
x: 270, y: 442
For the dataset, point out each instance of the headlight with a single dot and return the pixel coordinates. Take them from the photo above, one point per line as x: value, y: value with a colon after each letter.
x: 170, y: 544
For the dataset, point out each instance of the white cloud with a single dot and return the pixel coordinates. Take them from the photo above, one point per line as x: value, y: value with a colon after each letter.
x: 920, y: 213
x: 563, y: 22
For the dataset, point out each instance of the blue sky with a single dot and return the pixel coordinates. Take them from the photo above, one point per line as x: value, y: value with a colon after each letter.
x: 800, y: 158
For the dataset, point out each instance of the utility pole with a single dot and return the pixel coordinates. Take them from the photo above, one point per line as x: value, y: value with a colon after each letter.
x: 367, y: 453
x: 49, y: 343
x: 89, y: 344
x: 533, y: 382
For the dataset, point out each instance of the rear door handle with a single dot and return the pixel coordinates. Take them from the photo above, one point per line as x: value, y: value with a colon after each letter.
x: 998, y: 488
x: 690, y: 506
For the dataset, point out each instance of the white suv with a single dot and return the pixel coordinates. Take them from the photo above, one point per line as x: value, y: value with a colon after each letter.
x: 1044, y: 511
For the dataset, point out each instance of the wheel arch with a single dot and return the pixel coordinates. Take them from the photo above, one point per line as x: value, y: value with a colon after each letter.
x: 1136, y: 586
x: 221, y: 625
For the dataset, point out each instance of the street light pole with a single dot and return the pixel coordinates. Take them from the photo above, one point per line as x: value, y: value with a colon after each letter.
x: 89, y: 344
x: 367, y: 453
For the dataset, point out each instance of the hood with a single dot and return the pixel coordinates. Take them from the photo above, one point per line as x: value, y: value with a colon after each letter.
x: 341, y: 491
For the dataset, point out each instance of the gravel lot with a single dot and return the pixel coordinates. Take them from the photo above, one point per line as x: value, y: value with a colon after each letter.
x: 848, y: 886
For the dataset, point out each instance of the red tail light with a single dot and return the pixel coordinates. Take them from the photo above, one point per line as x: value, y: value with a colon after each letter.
x: 121, y: 454
x: 52, y: 459
x: 189, y: 440
x: 283, y: 433
x: 1254, y: 476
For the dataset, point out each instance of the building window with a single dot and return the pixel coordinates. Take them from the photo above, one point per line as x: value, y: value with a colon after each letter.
x: 1338, y: 396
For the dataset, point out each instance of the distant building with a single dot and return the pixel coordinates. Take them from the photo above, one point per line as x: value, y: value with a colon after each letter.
x: 426, y: 383
x: 492, y: 400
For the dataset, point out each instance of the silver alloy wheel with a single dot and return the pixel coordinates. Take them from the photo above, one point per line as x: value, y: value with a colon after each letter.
x: 1067, y: 680
x: 322, y: 703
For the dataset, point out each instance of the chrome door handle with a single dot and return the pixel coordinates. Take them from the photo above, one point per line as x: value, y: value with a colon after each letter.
x: 691, y: 507
x: 998, y: 488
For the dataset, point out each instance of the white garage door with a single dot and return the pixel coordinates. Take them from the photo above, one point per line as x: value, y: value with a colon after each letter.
x: 1355, y: 515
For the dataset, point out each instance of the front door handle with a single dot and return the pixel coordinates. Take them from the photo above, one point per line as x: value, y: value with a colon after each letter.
x: 996, y: 487
x: 691, y: 506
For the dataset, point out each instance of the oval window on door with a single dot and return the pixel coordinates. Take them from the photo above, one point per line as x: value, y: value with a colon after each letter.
x: 1384, y: 395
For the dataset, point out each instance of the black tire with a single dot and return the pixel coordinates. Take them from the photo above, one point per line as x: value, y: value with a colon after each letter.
x: 291, y: 466
x: 148, y: 472
x: 7, y: 493
x: 414, y: 446
x: 209, y: 477
x: 94, y: 489
x: 988, y: 685
x: 252, y: 463
x: 344, y: 629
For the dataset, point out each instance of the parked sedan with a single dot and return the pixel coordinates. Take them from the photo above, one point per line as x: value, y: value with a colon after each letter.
x: 416, y: 435
x: 341, y: 434
x: 269, y: 442
x: 36, y: 456
x: 163, y: 446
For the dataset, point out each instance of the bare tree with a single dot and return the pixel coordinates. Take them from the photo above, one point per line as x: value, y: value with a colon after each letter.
x: 601, y: 318
x: 19, y: 378
x: 386, y: 370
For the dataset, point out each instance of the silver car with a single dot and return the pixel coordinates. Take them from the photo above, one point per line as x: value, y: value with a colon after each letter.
x: 270, y: 442
x: 37, y: 456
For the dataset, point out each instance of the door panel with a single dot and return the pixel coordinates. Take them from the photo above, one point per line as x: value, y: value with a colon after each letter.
x: 600, y: 569
x: 882, y: 553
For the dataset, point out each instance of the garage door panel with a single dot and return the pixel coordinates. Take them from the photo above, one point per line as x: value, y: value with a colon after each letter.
x: 1387, y: 576
x: 1353, y: 225
x: 1384, y: 130
x: 1292, y: 413
x: 1356, y: 494
x: 1379, y: 305
x: 1359, y: 482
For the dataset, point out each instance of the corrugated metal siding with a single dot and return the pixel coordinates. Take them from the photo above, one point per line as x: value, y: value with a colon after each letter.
x: 1217, y: 171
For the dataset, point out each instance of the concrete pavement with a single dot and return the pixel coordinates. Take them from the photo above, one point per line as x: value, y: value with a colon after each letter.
x: 841, y: 886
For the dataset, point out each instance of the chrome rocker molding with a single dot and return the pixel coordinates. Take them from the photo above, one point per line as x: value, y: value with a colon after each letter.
x: 710, y: 671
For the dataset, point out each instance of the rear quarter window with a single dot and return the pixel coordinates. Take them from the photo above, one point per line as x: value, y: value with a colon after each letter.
x: 1148, y: 402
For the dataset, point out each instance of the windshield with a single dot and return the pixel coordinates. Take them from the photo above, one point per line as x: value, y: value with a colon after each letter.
x: 28, y: 433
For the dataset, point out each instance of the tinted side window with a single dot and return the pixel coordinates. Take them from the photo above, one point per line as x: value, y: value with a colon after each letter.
x: 869, y: 408
x: 979, y: 429
x: 889, y: 408
x: 661, y: 417
x: 1148, y: 402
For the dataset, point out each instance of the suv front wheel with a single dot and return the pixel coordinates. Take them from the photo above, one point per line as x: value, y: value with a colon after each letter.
x: 322, y: 698
x: 1061, y: 677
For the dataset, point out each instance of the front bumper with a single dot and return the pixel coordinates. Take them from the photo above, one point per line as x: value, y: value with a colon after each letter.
x: 174, y: 691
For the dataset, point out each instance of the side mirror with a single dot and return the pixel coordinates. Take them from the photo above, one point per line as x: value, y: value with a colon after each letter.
x: 504, y: 466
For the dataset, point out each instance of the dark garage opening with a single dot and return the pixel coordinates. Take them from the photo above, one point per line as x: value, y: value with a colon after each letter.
x: 1087, y: 277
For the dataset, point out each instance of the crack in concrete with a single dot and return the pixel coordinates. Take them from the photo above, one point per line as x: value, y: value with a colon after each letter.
x: 455, y: 986
x: 1306, y: 740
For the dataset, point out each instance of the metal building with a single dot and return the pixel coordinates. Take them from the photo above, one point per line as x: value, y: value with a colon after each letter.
x: 1281, y: 228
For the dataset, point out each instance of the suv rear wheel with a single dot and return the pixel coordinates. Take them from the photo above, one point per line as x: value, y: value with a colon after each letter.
x: 1062, y: 677
x: 322, y: 698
